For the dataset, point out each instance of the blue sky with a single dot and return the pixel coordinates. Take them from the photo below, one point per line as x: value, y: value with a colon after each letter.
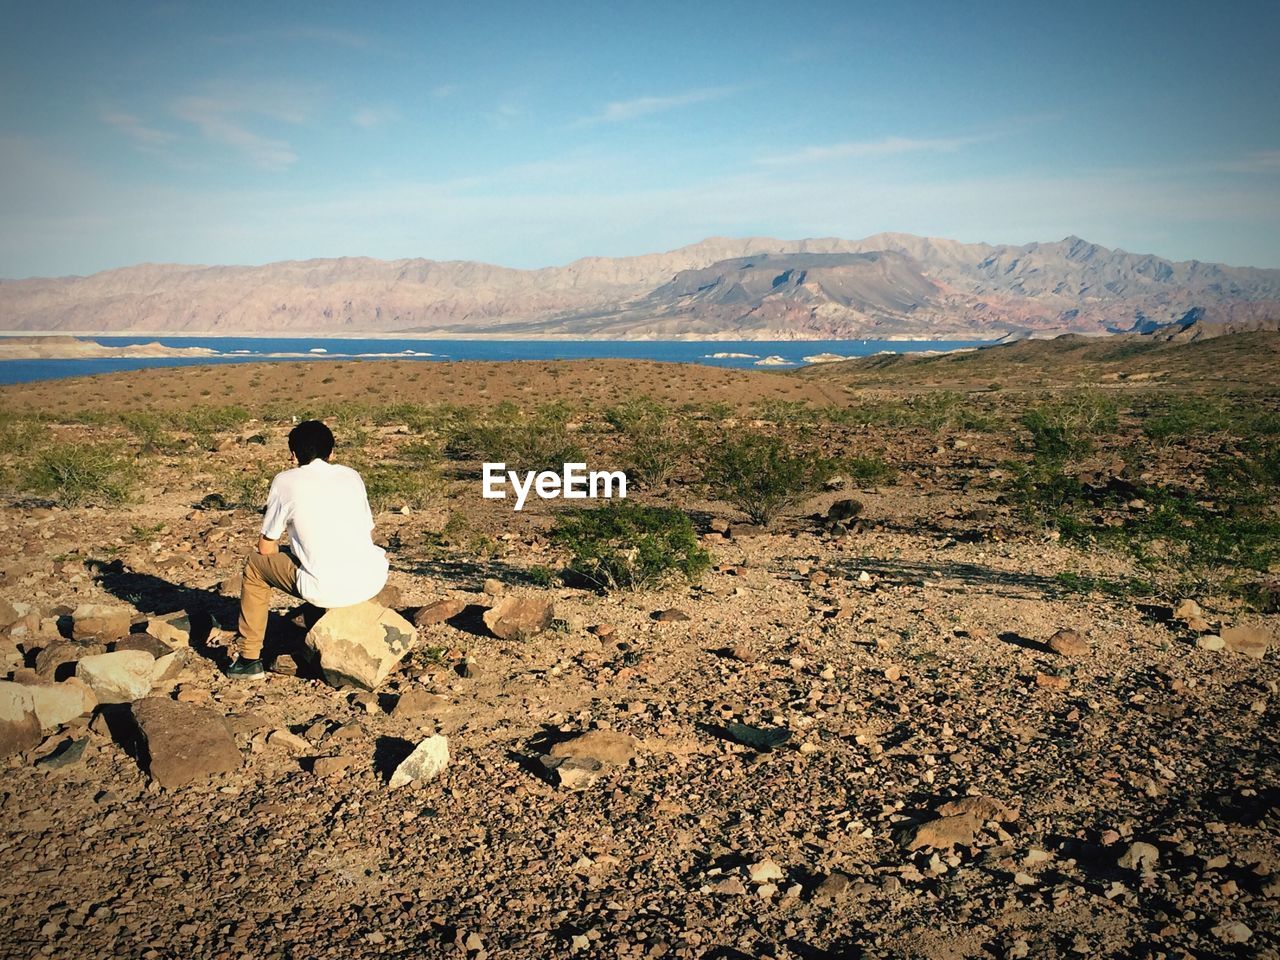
x: 529, y: 134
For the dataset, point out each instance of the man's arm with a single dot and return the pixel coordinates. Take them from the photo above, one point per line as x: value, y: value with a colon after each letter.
x: 274, y: 522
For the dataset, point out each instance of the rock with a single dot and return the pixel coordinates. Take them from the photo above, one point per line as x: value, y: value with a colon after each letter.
x: 1188, y: 610
x: 439, y: 612
x: 719, y: 526
x: 100, y: 620
x: 1210, y: 641
x: 732, y: 887
x: 1051, y: 681
x: 119, y: 677
x: 9, y: 613
x: 519, y: 618
x: 764, y: 871
x: 1142, y: 857
x: 833, y: 888
x: 52, y: 658
x: 573, y: 773
x: 943, y: 833
x: 360, y: 645
x: 59, y: 703
x: 291, y: 742
x: 146, y: 643
x: 741, y: 531
x: 1235, y: 932
x: 184, y: 743
x: 170, y: 664
x: 670, y: 615
x: 389, y: 596
x: 983, y: 808
x: 333, y: 766
x: 173, y: 629
x: 606, y: 746
x: 19, y: 725
x: 428, y: 760
x: 492, y: 587
x: 1069, y: 643
x: 763, y: 739
x: 416, y: 702
x: 844, y: 511
x: 284, y: 665
x: 1251, y: 641
x: 64, y: 755
x: 470, y: 669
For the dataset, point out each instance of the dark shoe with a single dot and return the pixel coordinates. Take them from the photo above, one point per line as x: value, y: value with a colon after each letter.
x: 242, y: 669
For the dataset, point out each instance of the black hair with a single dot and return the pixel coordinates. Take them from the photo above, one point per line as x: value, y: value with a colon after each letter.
x: 310, y: 440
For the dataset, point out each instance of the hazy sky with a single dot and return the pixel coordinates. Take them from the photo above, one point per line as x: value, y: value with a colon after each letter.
x: 533, y: 133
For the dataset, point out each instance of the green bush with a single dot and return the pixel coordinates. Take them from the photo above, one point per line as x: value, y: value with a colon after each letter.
x: 656, y: 442
x: 1064, y: 428
x: 763, y: 475
x: 628, y: 546
x: 524, y: 441
x: 868, y: 469
x: 81, y: 473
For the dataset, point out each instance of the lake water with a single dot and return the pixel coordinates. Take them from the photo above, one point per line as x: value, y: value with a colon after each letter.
x: 744, y: 353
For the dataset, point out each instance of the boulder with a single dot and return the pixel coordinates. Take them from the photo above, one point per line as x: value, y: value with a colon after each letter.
x: 1188, y: 610
x: 144, y: 642
x: 173, y: 629
x: 607, y: 746
x: 1251, y: 641
x: 184, y: 743
x: 119, y: 677
x: 519, y: 618
x: 100, y: 620
x: 19, y: 726
x: 56, y: 655
x: 59, y: 703
x: 439, y: 612
x: 388, y: 596
x: 428, y: 760
x: 416, y: 702
x: 360, y: 645
x: 1069, y: 643
x: 943, y: 833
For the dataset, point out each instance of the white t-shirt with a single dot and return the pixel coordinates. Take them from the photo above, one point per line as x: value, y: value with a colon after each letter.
x: 326, y: 511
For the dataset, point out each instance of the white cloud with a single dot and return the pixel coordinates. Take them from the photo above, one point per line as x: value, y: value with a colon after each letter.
x: 370, y: 117
x: 855, y: 149
x: 1259, y: 161
x: 132, y: 127
x: 221, y: 115
x: 621, y: 110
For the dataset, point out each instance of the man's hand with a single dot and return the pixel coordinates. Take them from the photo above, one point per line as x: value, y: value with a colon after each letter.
x: 267, y: 547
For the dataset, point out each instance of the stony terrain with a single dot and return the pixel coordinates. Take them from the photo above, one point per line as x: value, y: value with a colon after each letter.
x: 1000, y: 741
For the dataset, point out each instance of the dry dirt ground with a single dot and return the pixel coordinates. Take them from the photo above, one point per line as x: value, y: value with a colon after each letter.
x: 908, y: 658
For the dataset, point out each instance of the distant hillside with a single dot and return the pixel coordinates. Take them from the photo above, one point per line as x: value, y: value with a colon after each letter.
x: 888, y: 285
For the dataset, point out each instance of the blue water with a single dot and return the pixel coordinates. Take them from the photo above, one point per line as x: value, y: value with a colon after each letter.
x: 258, y: 349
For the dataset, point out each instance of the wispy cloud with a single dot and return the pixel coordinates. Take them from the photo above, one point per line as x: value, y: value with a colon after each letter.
x: 219, y: 121
x: 619, y: 111
x: 370, y: 117
x: 1259, y: 161
x: 442, y: 90
x: 856, y: 149
x: 144, y: 136
x: 304, y: 32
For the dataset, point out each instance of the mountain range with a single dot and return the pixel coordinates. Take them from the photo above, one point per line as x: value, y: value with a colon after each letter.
x: 885, y: 286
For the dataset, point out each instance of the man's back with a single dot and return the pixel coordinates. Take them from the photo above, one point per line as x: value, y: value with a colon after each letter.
x: 325, y: 510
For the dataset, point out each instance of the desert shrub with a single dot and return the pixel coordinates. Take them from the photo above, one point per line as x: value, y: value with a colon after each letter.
x: 939, y: 410
x: 394, y: 485
x: 627, y: 546
x: 247, y: 488
x: 19, y: 434
x: 867, y: 469
x: 786, y: 412
x: 204, y: 423
x: 524, y: 441
x: 81, y: 473
x: 151, y: 430
x: 655, y: 441
x: 1063, y: 428
x: 763, y: 475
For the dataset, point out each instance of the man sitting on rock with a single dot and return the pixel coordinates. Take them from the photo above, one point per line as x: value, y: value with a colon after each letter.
x: 332, y: 560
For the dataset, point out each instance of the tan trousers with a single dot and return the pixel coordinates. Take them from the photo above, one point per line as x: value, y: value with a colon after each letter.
x: 261, y: 573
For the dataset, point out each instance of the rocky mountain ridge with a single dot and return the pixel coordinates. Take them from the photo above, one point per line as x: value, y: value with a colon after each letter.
x: 887, y: 285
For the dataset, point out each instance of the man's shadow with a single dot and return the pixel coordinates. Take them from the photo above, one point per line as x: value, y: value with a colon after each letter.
x: 206, y: 609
